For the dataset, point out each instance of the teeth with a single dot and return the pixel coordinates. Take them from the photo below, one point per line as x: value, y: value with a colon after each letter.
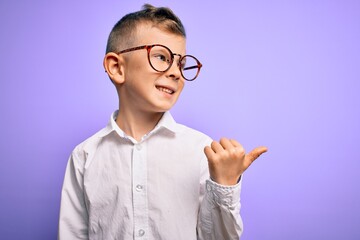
x: 165, y: 90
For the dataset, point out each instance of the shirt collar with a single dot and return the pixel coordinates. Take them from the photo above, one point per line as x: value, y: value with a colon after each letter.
x: 166, y: 122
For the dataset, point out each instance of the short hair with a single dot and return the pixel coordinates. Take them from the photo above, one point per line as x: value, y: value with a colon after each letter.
x: 124, y: 30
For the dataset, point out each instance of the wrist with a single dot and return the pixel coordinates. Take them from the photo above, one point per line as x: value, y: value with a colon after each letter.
x: 227, y: 181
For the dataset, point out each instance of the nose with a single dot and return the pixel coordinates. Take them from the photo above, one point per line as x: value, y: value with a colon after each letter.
x: 174, y: 71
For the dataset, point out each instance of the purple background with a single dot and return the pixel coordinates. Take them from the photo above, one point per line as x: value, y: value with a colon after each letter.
x: 285, y: 74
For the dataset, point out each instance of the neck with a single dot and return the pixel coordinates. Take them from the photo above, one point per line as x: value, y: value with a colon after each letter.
x: 137, y: 124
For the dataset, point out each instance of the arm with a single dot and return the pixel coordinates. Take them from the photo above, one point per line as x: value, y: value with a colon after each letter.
x: 219, y: 216
x: 73, y: 220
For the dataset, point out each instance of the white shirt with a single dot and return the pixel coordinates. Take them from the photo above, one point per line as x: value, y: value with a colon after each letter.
x: 158, y: 188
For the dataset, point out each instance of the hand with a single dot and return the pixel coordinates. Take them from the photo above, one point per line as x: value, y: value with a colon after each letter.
x: 227, y: 160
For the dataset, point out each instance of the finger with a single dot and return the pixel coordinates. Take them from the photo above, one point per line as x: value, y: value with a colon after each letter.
x: 238, y: 146
x: 216, y: 147
x: 255, y: 153
x: 209, y: 152
x: 236, y: 143
x: 226, y: 144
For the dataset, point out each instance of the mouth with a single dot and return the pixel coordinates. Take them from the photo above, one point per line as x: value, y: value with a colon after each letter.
x: 165, y: 89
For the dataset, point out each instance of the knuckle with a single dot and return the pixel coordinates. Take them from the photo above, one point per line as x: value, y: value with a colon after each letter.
x: 235, y: 153
x: 238, y: 152
x: 214, y: 159
x: 225, y: 155
x: 241, y: 150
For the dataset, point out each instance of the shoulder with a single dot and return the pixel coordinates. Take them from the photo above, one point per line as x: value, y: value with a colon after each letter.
x: 88, y: 146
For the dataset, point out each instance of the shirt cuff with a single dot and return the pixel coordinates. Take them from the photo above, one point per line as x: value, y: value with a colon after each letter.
x: 228, y: 196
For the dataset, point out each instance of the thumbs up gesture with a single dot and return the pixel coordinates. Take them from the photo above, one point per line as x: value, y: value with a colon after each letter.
x: 227, y: 160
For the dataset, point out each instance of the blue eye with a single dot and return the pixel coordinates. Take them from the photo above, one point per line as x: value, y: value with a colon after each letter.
x: 162, y: 58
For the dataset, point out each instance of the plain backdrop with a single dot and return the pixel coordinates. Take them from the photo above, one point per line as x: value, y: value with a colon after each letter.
x: 285, y: 74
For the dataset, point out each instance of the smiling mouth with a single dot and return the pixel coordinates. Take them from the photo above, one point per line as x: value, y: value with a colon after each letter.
x: 164, y: 89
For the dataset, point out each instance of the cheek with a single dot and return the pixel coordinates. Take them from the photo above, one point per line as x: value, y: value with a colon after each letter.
x: 181, y: 85
x: 138, y: 65
x: 142, y: 71
x: 180, y: 89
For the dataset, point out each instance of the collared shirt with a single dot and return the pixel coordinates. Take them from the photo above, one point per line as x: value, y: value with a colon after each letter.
x: 157, y: 188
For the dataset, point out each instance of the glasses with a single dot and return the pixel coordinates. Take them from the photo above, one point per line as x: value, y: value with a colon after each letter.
x: 161, y: 59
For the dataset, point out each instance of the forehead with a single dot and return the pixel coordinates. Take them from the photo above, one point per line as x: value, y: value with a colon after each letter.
x: 147, y: 34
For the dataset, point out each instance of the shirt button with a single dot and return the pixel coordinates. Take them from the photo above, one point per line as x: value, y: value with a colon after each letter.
x: 138, y: 147
x: 139, y: 188
x: 141, y: 232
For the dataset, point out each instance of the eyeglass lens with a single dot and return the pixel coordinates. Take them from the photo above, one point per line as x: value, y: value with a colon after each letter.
x: 161, y: 60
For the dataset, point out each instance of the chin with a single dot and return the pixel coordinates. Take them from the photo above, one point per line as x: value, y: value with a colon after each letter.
x: 164, y: 108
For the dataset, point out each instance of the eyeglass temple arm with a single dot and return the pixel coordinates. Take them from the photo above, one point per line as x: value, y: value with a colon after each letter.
x: 192, y: 67
x: 133, y: 49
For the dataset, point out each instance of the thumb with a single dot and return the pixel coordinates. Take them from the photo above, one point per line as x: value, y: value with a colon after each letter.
x: 255, y: 153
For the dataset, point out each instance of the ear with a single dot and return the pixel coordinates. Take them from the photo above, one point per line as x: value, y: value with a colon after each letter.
x: 114, y: 67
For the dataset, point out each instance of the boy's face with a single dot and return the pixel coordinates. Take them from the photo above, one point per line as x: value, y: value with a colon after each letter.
x: 144, y: 88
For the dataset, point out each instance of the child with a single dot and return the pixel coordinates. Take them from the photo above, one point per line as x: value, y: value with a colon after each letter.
x: 144, y: 176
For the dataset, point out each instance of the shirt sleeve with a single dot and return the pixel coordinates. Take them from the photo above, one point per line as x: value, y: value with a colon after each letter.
x: 219, y: 215
x: 73, y: 220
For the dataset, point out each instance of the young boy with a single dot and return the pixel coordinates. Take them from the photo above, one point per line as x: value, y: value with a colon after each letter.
x: 144, y: 176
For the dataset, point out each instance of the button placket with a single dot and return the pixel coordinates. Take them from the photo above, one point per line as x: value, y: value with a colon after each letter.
x: 139, y: 181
